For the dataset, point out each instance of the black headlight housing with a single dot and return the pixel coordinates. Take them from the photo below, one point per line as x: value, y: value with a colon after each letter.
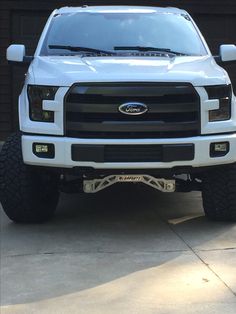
x: 36, y: 95
x: 224, y: 94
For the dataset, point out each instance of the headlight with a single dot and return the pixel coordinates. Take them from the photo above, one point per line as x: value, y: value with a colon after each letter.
x: 224, y: 94
x: 36, y: 95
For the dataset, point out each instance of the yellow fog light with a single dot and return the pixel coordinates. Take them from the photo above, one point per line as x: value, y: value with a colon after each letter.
x: 41, y: 148
x: 44, y: 150
x: 219, y: 149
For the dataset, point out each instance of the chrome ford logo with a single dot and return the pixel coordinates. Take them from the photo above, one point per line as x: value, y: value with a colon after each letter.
x: 133, y: 108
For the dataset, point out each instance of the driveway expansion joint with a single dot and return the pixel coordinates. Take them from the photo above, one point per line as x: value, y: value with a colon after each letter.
x: 196, y: 254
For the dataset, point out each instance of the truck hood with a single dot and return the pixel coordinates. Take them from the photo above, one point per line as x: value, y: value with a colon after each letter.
x: 67, y: 70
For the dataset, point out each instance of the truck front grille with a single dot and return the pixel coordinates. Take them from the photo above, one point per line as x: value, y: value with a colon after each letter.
x: 92, y: 110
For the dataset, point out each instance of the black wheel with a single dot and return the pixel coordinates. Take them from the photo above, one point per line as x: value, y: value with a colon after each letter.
x: 28, y: 194
x: 219, y: 193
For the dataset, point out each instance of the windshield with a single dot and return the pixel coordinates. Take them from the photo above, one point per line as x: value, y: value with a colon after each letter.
x: 108, y: 31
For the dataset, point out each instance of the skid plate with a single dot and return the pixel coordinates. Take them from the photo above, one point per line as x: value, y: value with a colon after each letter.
x: 96, y: 185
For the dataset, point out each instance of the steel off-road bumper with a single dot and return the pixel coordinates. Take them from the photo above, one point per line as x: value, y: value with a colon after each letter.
x: 66, y: 156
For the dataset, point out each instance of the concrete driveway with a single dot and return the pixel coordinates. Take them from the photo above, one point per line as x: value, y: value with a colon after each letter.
x: 128, y: 249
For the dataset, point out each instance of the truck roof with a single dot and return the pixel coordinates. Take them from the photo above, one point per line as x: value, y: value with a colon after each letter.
x: 120, y: 9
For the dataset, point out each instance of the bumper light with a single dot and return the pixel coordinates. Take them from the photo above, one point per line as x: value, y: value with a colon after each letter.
x: 43, y: 150
x: 219, y: 149
x: 36, y: 95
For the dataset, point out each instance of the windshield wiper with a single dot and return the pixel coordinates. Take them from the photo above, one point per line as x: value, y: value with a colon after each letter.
x: 100, y: 51
x: 81, y: 49
x: 146, y: 49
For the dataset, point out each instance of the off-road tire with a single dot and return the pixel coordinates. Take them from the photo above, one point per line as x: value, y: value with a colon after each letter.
x: 219, y: 193
x: 28, y: 194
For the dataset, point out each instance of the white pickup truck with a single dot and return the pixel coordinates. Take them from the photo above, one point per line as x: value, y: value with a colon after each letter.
x: 121, y: 94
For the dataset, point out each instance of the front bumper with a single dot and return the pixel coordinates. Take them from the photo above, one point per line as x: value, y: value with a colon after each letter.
x: 63, y: 152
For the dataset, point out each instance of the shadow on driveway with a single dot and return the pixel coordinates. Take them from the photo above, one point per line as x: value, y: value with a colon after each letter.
x: 126, y: 246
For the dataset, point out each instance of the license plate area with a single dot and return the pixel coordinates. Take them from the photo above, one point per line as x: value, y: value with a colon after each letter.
x: 129, y: 178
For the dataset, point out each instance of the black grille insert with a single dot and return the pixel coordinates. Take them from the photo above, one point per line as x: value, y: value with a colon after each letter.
x: 92, y: 110
x: 132, y: 153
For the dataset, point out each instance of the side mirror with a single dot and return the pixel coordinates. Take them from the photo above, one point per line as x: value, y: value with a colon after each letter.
x: 228, y: 53
x: 16, y: 53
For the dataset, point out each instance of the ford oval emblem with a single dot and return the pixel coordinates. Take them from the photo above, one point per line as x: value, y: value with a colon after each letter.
x: 133, y: 108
